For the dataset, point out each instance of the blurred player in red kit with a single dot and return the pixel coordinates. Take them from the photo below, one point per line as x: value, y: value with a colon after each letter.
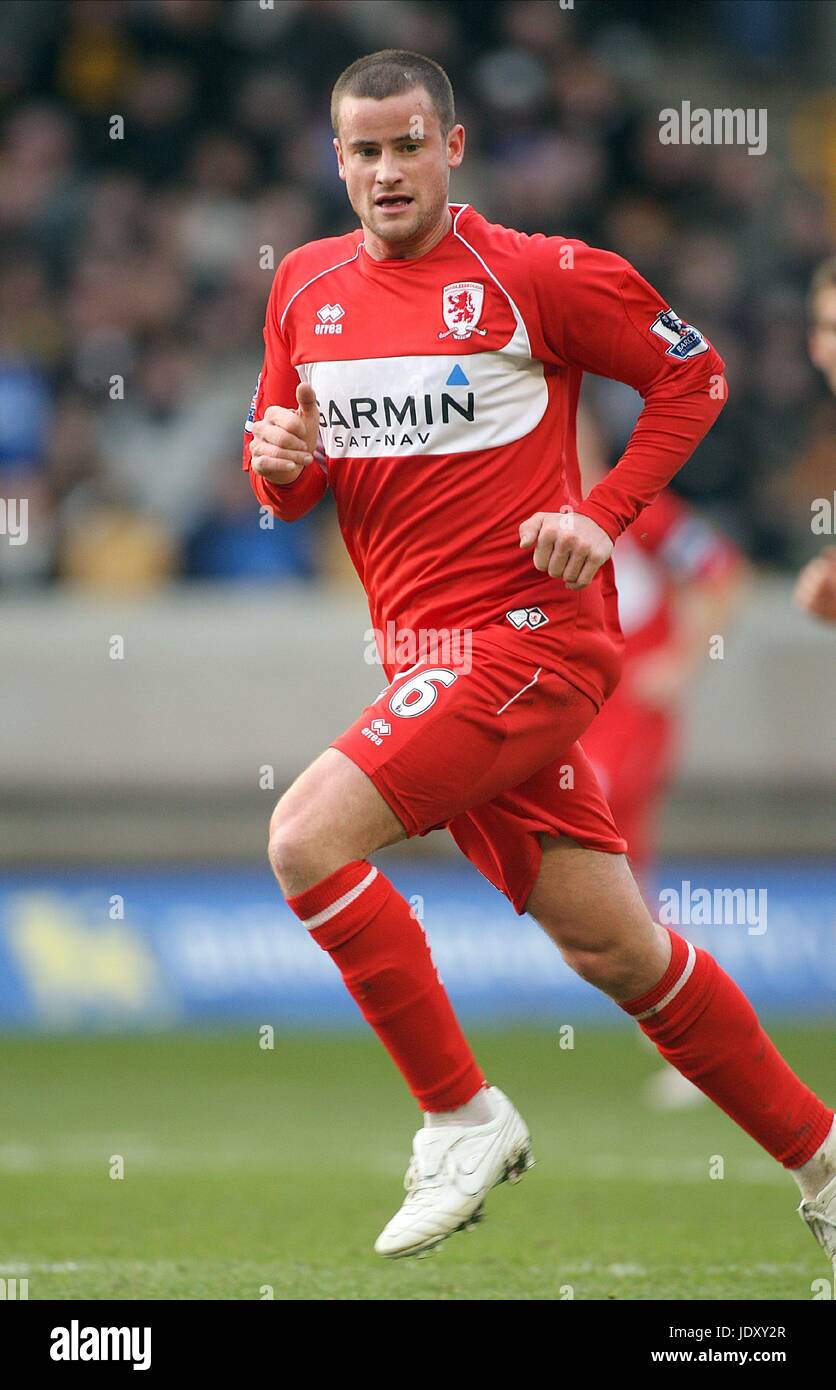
x: 426, y: 368
x: 678, y: 582
x: 815, y: 591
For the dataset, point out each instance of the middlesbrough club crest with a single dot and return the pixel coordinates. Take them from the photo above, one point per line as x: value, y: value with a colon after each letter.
x: 461, y: 305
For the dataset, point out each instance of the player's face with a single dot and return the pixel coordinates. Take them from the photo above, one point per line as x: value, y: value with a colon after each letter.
x: 823, y: 335
x: 396, y: 165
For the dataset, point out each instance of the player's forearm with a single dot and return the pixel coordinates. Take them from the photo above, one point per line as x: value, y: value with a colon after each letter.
x: 290, y: 501
x: 666, y: 434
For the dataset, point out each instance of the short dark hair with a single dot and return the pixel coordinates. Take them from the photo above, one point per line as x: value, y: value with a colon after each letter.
x: 390, y: 72
x: 824, y: 278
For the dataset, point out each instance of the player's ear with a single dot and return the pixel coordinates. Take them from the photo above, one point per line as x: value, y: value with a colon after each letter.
x: 455, y: 146
x: 340, y: 165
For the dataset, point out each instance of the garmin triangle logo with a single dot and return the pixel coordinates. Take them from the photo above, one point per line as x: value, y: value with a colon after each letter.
x: 457, y: 377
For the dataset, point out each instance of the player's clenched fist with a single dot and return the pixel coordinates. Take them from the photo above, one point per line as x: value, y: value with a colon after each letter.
x: 567, y: 546
x: 284, y: 440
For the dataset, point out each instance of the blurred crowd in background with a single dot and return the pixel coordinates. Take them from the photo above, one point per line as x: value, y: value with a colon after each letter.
x: 132, y: 251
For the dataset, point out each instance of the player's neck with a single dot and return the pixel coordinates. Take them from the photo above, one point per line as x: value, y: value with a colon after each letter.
x: 380, y: 250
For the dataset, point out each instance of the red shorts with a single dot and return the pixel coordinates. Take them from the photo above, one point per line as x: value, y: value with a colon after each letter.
x: 490, y: 751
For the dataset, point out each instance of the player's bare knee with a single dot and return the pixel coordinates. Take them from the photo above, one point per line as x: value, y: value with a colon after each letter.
x: 609, y: 969
x: 567, y: 933
x: 304, y: 847
x: 279, y: 851
x: 290, y: 852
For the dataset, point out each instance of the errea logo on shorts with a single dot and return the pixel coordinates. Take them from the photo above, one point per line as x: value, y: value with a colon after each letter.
x: 329, y: 316
x: 378, y: 731
x: 526, y: 617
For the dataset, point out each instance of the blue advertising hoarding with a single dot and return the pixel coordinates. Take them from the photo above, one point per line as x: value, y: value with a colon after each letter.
x: 131, y: 948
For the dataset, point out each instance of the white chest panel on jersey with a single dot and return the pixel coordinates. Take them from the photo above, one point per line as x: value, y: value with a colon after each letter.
x: 439, y: 404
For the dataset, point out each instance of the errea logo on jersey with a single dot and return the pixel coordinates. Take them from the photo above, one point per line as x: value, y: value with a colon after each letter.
x: 329, y: 316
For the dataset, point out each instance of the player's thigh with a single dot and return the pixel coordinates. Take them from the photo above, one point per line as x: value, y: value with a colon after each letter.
x: 589, y: 902
x: 333, y: 810
x: 504, y: 838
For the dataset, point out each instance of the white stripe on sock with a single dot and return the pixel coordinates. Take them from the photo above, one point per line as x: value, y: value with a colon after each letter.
x: 337, y: 906
x: 683, y: 979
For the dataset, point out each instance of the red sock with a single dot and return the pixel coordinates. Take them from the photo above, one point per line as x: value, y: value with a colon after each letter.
x: 703, y: 1024
x: 382, y: 953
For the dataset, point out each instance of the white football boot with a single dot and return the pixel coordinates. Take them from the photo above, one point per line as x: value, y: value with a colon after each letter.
x: 819, y: 1213
x: 452, y: 1169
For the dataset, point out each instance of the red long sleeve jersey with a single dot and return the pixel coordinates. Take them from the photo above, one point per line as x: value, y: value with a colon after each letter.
x: 447, y: 388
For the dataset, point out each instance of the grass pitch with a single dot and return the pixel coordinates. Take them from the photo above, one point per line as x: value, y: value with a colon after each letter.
x: 250, y: 1171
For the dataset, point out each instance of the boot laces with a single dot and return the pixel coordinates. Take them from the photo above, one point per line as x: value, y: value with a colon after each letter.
x: 424, y: 1177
